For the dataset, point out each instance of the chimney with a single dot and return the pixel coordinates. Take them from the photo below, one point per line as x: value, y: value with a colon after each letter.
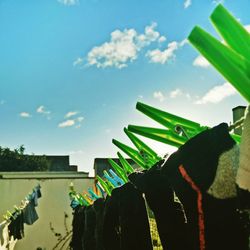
x: 238, y: 113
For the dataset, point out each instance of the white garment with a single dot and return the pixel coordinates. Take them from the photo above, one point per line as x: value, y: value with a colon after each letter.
x: 243, y: 174
x: 5, y: 242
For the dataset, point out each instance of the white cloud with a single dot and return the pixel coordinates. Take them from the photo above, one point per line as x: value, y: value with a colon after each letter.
x: 187, y: 3
x: 71, y: 113
x: 175, y: 93
x: 41, y: 110
x: 159, y: 96
x: 123, y: 47
x: 80, y: 118
x: 158, y: 56
x: 67, y: 123
x: 201, y: 61
x: 217, y: 94
x: 68, y: 2
x: 2, y: 102
x: 162, y: 39
x: 78, y: 61
x: 77, y: 122
x: 25, y: 114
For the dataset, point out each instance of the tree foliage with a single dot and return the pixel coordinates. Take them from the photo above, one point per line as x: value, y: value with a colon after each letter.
x: 17, y: 160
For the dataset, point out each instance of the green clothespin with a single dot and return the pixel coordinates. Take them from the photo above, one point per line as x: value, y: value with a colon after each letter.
x: 141, y: 146
x: 132, y: 153
x: 231, y: 30
x: 119, y: 171
x: 231, y: 60
x: 104, y: 185
x: 169, y: 120
x: 126, y: 166
x: 161, y: 135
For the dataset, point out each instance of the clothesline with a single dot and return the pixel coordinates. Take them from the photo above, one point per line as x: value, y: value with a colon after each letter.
x: 24, y: 203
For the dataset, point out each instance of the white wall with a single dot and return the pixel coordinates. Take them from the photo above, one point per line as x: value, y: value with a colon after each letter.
x: 51, y: 207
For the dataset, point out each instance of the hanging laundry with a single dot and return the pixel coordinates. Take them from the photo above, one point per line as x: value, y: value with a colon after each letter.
x: 168, y: 213
x: 29, y: 212
x: 212, y: 223
x: 78, y: 228
x: 126, y: 225
x: 6, y: 243
x: 16, y: 226
x: 224, y: 185
x: 99, y: 206
x: 89, y: 241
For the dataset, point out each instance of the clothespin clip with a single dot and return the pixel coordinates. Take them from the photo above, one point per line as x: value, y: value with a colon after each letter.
x: 104, y: 185
x: 98, y: 186
x: 126, y: 166
x: 113, y: 182
x: 116, y: 178
x: 93, y: 194
x: 88, y: 198
x: 120, y: 172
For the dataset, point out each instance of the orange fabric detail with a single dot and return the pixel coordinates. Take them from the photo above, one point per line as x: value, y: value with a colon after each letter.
x: 199, y: 205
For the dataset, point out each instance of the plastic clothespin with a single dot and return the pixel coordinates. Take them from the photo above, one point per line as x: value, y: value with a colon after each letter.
x: 117, y: 179
x: 104, y: 185
x: 119, y: 170
x: 112, y: 181
x: 98, y: 186
x: 126, y: 166
x: 132, y: 153
x: 93, y: 194
x: 141, y: 146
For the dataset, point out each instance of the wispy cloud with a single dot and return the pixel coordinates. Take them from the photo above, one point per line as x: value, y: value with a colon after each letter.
x: 122, y: 48
x: 77, y: 121
x: 217, y: 94
x: 163, y: 56
x: 41, y: 110
x: 25, y: 115
x: 68, y: 2
x: 201, y: 61
x: 159, y: 96
x: 78, y: 61
x: 2, y: 102
x: 175, y: 93
x: 70, y: 114
x: 80, y: 118
x: 187, y: 3
x: 67, y: 123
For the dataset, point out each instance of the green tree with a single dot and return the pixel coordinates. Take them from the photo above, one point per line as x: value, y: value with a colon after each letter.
x: 17, y: 160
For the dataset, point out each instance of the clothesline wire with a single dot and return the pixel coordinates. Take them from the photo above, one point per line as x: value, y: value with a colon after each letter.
x: 25, y: 202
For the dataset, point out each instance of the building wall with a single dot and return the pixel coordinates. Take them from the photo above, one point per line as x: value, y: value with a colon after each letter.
x: 51, y: 207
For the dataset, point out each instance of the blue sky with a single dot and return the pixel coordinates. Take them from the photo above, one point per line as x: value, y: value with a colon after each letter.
x: 72, y: 71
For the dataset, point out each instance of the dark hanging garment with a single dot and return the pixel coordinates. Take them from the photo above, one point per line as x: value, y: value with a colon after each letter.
x: 169, y: 215
x: 78, y: 228
x: 16, y: 226
x: 99, y: 205
x: 111, y: 223
x: 129, y: 227
x: 213, y: 224
x: 89, y: 241
x: 29, y: 213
